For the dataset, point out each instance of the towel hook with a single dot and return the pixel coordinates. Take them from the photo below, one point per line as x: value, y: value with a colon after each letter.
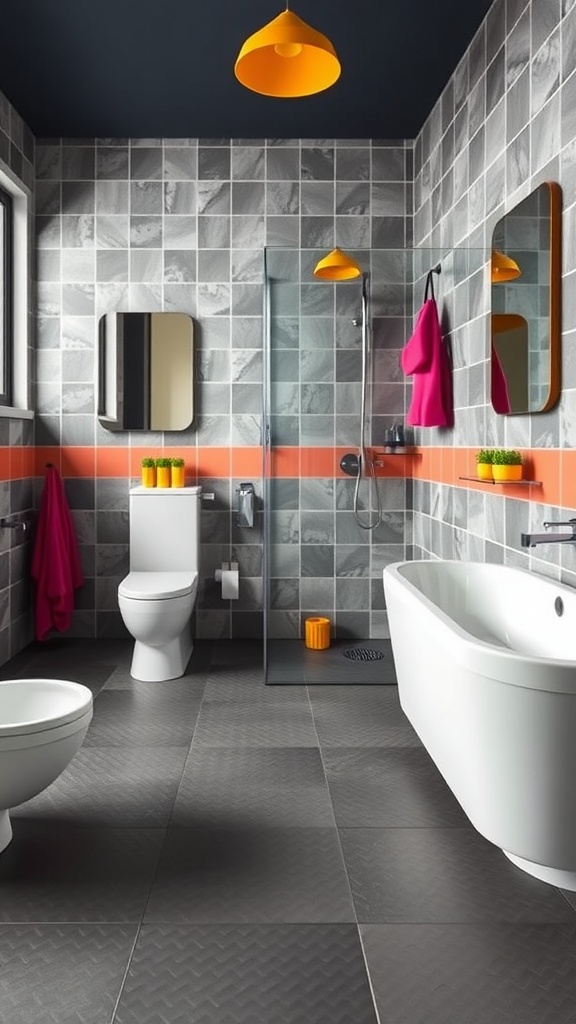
x: 429, y: 280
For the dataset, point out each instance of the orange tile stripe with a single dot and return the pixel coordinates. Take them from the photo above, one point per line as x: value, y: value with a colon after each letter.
x: 553, y: 468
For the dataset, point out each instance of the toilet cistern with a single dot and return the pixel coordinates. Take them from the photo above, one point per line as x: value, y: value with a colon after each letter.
x: 157, y: 597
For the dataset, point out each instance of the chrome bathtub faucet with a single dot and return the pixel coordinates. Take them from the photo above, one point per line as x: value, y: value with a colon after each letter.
x: 530, y: 540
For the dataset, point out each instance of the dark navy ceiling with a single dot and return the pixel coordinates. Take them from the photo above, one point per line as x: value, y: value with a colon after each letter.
x: 164, y: 68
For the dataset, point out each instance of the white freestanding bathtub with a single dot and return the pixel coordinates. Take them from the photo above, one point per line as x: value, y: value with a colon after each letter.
x: 485, y: 657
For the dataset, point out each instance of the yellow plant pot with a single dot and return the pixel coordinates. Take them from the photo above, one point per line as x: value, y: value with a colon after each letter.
x: 163, y: 477
x: 503, y: 473
x: 484, y: 470
x: 178, y: 476
x: 317, y: 633
x: 148, y: 476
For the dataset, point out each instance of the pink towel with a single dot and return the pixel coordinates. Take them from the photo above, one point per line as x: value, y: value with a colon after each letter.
x: 55, y: 559
x: 500, y: 397
x: 425, y: 357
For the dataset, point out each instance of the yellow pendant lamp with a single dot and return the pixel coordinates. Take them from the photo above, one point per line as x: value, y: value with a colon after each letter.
x: 337, y: 266
x: 287, y: 58
x: 503, y: 267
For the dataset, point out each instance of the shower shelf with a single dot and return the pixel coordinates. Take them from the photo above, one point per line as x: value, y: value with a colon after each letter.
x: 406, y: 450
x: 507, y: 483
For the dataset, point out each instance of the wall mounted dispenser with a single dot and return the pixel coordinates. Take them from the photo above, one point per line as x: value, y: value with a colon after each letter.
x: 245, y: 505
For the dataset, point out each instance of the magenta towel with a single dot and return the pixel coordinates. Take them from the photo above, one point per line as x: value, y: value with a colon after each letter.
x: 55, y: 559
x: 500, y: 397
x: 425, y: 358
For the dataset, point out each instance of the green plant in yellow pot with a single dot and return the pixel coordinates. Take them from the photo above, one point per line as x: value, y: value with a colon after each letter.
x: 177, y: 472
x: 484, y: 463
x: 506, y: 464
x: 163, y: 472
x: 148, y: 472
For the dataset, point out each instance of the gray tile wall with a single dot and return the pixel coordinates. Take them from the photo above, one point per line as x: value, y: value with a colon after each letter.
x: 16, y: 496
x: 180, y: 225
x: 504, y: 123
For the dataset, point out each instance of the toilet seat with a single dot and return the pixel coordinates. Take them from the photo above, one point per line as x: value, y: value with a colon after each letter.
x: 157, y: 586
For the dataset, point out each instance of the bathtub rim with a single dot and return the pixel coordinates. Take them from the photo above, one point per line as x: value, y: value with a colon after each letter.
x: 501, y: 664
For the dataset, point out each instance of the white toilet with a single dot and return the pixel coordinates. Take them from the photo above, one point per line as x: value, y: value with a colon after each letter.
x: 42, y: 725
x: 157, y: 596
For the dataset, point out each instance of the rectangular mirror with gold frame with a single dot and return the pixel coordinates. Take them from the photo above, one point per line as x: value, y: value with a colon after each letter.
x: 145, y: 371
x: 525, y: 304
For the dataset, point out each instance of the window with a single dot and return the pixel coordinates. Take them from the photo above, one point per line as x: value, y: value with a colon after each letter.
x: 6, y: 297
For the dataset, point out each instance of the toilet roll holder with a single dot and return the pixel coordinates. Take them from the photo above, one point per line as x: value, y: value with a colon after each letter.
x: 229, y: 577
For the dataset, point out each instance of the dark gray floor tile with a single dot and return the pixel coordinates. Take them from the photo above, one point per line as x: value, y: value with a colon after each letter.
x: 233, y: 974
x: 360, y: 716
x: 125, y: 787
x: 570, y: 897
x: 94, y: 675
x: 232, y: 682
x: 260, y: 875
x: 253, y: 785
x: 120, y: 679
x: 237, y: 653
x: 261, y: 722
x: 149, y: 715
x: 77, y: 874
x: 473, y: 974
x: 245, y: 685
x: 432, y: 875
x: 395, y: 787
x: 62, y: 974
x: 67, y: 651
x: 16, y: 667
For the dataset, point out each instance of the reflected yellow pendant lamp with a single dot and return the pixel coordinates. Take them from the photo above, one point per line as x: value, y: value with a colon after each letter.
x: 337, y: 266
x: 503, y: 267
x: 287, y: 58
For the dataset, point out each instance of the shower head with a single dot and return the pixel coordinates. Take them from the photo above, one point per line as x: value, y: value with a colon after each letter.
x: 337, y: 266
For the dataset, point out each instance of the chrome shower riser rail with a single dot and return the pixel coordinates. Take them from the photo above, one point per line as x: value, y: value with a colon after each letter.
x: 365, y: 463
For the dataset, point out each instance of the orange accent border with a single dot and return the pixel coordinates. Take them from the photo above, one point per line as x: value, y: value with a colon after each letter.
x: 553, y: 468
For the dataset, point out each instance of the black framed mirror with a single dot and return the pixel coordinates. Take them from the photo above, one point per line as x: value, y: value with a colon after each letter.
x: 146, y: 371
x: 525, y: 304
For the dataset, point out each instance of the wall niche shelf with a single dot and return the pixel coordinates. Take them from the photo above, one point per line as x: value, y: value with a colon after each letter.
x: 504, y: 483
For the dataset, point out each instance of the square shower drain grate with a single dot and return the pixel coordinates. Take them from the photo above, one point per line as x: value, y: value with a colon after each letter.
x: 363, y: 654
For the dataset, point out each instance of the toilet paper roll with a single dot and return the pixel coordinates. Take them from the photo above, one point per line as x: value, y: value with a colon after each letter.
x: 230, y: 584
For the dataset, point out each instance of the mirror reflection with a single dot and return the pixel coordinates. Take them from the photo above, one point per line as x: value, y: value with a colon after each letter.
x: 525, y: 303
x: 145, y: 371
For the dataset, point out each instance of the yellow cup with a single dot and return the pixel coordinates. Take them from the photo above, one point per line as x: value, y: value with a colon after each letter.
x: 317, y: 633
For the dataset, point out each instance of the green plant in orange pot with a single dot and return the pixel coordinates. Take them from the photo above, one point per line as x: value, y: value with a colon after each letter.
x: 177, y: 472
x: 148, y: 472
x: 507, y: 464
x: 163, y: 472
x: 484, y: 463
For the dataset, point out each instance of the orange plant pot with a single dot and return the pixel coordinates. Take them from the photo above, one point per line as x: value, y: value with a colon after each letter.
x: 317, y: 633
x: 484, y: 470
x: 163, y: 478
x: 178, y: 476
